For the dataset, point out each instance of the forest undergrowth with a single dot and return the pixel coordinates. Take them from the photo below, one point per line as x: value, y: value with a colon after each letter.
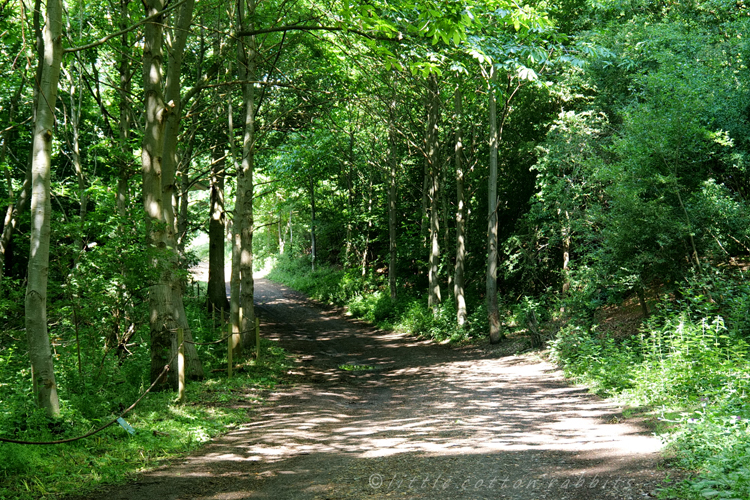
x: 687, y: 365
x: 101, y: 389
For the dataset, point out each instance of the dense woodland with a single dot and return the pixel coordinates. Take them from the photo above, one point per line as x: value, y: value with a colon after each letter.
x: 471, y: 170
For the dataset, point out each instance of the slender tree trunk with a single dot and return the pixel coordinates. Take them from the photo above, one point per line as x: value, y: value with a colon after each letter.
x: 458, y: 280
x: 75, y: 151
x: 443, y: 194
x: 434, y: 298
x: 313, y: 249
x: 125, y: 122
x: 184, y: 198
x: 640, y: 291
x: 40, y: 351
x: 11, y: 212
x: 245, y: 180
x: 217, y: 289
x: 291, y: 232
x: 492, y: 228
x: 235, y: 312
x: 426, y: 186
x: 178, y: 39
x: 366, y: 249
x: 565, y: 233
x: 349, y: 200
x: 163, y: 322
x: 392, y: 247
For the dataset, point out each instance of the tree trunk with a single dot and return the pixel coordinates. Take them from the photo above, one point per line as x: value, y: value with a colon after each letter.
x: 217, y: 289
x: 392, y: 248
x: 126, y: 119
x: 178, y: 39
x: 235, y: 312
x: 640, y: 291
x: 434, y: 298
x: 40, y: 352
x: 184, y: 198
x: 291, y: 231
x: 492, y: 228
x: 245, y: 181
x: 349, y: 200
x: 162, y: 318
x: 366, y: 248
x: 11, y: 212
x: 565, y: 233
x: 426, y: 186
x: 458, y: 280
x: 75, y: 152
x: 313, y: 249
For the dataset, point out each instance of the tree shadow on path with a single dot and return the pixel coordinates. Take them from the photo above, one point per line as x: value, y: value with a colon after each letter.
x: 425, y: 421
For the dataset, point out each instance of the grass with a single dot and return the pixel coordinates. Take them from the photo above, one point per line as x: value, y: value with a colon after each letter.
x: 356, y: 368
x: 165, y: 430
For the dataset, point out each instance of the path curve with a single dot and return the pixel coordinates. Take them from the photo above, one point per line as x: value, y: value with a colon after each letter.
x: 426, y: 421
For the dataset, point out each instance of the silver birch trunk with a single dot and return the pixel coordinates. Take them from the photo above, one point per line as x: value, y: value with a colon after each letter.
x: 40, y: 349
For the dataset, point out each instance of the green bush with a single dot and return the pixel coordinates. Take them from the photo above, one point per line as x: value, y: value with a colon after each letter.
x: 690, y: 362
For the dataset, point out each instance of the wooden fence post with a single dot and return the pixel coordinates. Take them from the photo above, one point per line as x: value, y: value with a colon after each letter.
x: 180, y: 365
x: 257, y: 339
x: 230, y: 348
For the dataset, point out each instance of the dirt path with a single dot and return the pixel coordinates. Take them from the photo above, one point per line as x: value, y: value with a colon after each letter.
x: 426, y: 421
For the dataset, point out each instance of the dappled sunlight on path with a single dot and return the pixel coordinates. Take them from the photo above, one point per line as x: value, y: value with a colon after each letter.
x: 419, y: 420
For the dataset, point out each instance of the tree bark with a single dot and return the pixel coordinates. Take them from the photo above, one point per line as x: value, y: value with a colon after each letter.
x: 125, y: 122
x: 217, y: 290
x: 162, y: 318
x: 434, y: 299
x: 492, y: 228
x: 170, y: 160
x: 75, y: 152
x: 40, y: 351
x: 458, y: 279
x: 313, y: 249
x: 565, y: 234
x: 13, y: 209
x: 349, y: 200
x: 235, y: 312
x: 245, y: 180
x: 393, y: 161
x: 184, y: 198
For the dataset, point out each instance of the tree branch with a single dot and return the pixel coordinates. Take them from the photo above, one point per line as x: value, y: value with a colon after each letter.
x: 107, y: 38
x: 313, y: 28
